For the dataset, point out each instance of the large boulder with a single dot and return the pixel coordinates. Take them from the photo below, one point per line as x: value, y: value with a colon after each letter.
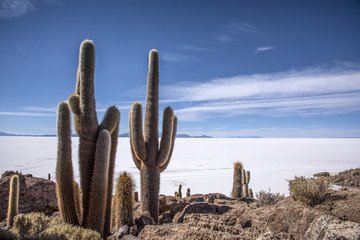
x: 328, y: 227
x: 36, y: 194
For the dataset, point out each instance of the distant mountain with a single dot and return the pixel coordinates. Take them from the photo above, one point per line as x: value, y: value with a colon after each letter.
x: 7, y: 134
x: 245, y: 137
x: 124, y: 135
x: 202, y: 136
x: 182, y: 135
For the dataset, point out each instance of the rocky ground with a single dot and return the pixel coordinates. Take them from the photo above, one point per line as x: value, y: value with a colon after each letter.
x: 216, y: 216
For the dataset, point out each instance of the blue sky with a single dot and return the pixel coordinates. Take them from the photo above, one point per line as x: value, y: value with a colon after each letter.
x: 228, y: 68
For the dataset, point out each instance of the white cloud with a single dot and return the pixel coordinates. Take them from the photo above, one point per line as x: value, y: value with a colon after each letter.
x: 17, y: 8
x: 242, y: 28
x: 192, y: 48
x: 312, y: 91
x: 223, y: 38
x: 40, y: 109
x: 174, y: 57
x: 263, y: 49
x: 28, y: 114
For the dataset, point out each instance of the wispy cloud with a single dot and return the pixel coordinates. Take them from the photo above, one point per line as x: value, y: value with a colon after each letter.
x: 175, y: 57
x: 27, y: 114
x: 39, y: 109
x: 311, y: 91
x: 242, y: 28
x: 223, y: 38
x: 17, y: 8
x: 232, y: 30
x: 192, y: 48
x: 263, y: 49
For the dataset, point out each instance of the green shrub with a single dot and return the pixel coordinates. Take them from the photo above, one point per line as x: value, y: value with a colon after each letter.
x: 268, y: 198
x: 310, y: 191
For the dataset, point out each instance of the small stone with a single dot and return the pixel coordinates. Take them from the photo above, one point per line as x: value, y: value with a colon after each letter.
x: 123, y: 230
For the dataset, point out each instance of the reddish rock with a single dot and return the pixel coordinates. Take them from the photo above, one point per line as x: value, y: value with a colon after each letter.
x: 36, y: 194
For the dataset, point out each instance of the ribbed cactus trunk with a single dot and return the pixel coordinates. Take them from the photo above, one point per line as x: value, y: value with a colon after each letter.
x: 237, y: 190
x: 246, y: 184
x: 13, y: 207
x: 124, y: 201
x: 148, y: 157
x: 64, y: 168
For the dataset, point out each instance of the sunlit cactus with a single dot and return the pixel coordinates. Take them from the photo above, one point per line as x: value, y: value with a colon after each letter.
x: 150, y: 158
x: 97, y: 149
x: 124, y: 201
x: 237, y: 190
x: 13, y: 207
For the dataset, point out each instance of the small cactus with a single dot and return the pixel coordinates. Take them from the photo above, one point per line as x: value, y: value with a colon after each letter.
x: 237, y: 190
x: 150, y: 158
x: 123, y: 200
x: 13, y: 200
x: 188, y: 192
x: 180, y: 194
x: 176, y: 194
x: 136, y: 197
x: 246, y: 184
x: 251, y: 194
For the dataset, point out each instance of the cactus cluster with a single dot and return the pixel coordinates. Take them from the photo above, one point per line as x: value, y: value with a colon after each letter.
x: 97, y: 150
x: 13, y: 200
x: 150, y: 158
x: 241, y: 182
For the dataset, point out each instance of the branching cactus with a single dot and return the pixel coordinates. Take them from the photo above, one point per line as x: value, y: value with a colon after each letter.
x: 97, y: 150
x: 246, y: 184
x: 13, y: 200
x: 148, y: 157
x: 237, y: 190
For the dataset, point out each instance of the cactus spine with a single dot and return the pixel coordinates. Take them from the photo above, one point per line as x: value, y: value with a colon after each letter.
x: 123, y: 199
x: 97, y: 147
x: 148, y: 157
x: 237, y: 190
x: 13, y: 209
x: 188, y: 192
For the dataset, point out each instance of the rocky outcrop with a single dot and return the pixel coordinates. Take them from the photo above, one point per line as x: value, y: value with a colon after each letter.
x: 349, y: 178
x: 328, y: 227
x: 36, y: 194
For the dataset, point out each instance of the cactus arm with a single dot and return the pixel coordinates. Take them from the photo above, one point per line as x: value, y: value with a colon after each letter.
x: 64, y: 169
x: 164, y: 166
x: 247, y: 177
x: 110, y: 120
x: 152, y: 105
x: 78, y: 77
x: 74, y: 103
x: 137, y: 138
x: 87, y: 90
x: 114, y: 142
x: 167, y: 137
x: 98, y: 193
x: 136, y: 160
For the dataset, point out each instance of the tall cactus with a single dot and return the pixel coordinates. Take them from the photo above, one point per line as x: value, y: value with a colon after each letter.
x: 237, y: 190
x: 246, y: 184
x: 13, y: 200
x: 148, y: 157
x: 97, y: 146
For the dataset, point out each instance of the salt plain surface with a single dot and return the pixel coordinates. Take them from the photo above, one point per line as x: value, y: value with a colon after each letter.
x: 203, y: 165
